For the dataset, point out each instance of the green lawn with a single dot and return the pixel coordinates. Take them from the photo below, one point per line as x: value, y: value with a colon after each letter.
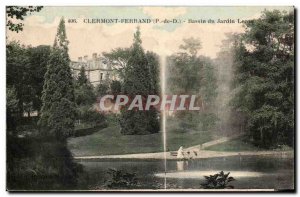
x: 238, y: 144
x: 109, y: 141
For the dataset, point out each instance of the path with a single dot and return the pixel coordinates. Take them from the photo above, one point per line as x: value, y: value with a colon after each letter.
x: 200, y: 154
x: 195, y: 152
x: 213, y: 142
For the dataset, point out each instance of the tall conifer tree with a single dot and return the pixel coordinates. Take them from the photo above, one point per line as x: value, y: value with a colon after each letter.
x: 58, y: 111
x: 138, y: 80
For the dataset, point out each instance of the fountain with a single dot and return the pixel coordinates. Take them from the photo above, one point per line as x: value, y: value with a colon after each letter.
x: 163, y: 115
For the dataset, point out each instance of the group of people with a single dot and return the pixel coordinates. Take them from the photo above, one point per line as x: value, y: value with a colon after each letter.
x: 182, y: 155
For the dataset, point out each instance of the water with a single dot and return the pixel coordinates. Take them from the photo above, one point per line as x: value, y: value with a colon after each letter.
x: 250, y: 172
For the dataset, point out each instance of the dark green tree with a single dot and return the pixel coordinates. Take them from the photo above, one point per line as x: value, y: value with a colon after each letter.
x: 102, y: 89
x: 26, y: 66
x: 11, y: 108
x: 138, y: 80
x: 58, y: 111
x: 38, y: 59
x: 265, y: 78
x: 84, y: 91
x: 82, y: 79
x: 153, y: 65
x: 115, y: 87
x: 16, y: 65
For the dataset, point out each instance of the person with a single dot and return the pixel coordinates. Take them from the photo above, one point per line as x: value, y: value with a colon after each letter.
x: 180, y: 154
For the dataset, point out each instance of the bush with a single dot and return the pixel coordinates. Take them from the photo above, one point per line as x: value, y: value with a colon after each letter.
x: 115, y: 87
x: 88, y: 115
x: 218, y: 181
x: 121, y: 180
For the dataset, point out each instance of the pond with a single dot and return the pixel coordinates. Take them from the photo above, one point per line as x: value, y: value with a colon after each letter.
x: 250, y: 172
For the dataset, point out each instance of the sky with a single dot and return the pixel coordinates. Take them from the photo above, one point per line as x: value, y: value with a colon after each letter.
x: 163, y: 38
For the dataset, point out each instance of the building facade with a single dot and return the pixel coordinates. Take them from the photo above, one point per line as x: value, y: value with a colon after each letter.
x: 97, y: 68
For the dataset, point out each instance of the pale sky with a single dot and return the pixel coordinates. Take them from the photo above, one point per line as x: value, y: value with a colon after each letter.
x: 85, y: 39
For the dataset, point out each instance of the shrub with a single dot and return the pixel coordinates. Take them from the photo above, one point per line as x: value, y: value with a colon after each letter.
x: 218, y: 181
x: 120, y: 179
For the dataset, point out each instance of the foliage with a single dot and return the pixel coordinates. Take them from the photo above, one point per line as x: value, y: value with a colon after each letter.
x: 59, y: 110
x: 118, y: 58
x: 82, y: 78
x: 40, y: 164
x: 26, y: 67
x: 84, y: 90
x: 192, y: 45
x: 139, y: 80
x: 264, y: 78
x: 11, y: 107
x: 11, y: 100
x: 34, y: 75
x: 89, y: 115
x: 115, y: 87
x: 102, y: 89
x: 193, y: 75
x: 84, y: 95
x: 16, y: 58
x: 153, y: 64
x: 18, y: 12
x: 121, y: 179
x: 209, y: 82
x: 112, y: 119
x: 218, y: 181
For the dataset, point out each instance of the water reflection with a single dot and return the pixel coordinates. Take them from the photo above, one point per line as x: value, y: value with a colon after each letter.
x: 182, y: 165
x: 250, y: 172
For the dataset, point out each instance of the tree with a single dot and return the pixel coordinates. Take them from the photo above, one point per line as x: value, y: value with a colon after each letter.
x: 82, y: 79
x: 58, y: 110
x: 84, y: 91
x: 115, y: 87
x: 264, y: 78
x: 102, y: 89
x: 118, y: 58
x: 11, y: 107
x: 189, y: 74
x: 191, y: 45
x: 26, y: 67
x: 36, y: 69
x: 138, y: 80
x: 183, y: 66
x: 84, y: 99
x: 17, y: 64
x: 153, y: 64
x: 18, y: 12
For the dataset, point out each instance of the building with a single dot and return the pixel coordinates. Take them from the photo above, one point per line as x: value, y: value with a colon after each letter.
x: 97, y: 68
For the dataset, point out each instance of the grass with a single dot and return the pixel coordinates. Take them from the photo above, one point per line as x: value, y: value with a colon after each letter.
x: 110, y: 141
x: 239, y: 144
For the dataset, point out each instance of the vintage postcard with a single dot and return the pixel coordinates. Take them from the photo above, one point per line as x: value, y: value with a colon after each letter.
x: 152, y: 99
